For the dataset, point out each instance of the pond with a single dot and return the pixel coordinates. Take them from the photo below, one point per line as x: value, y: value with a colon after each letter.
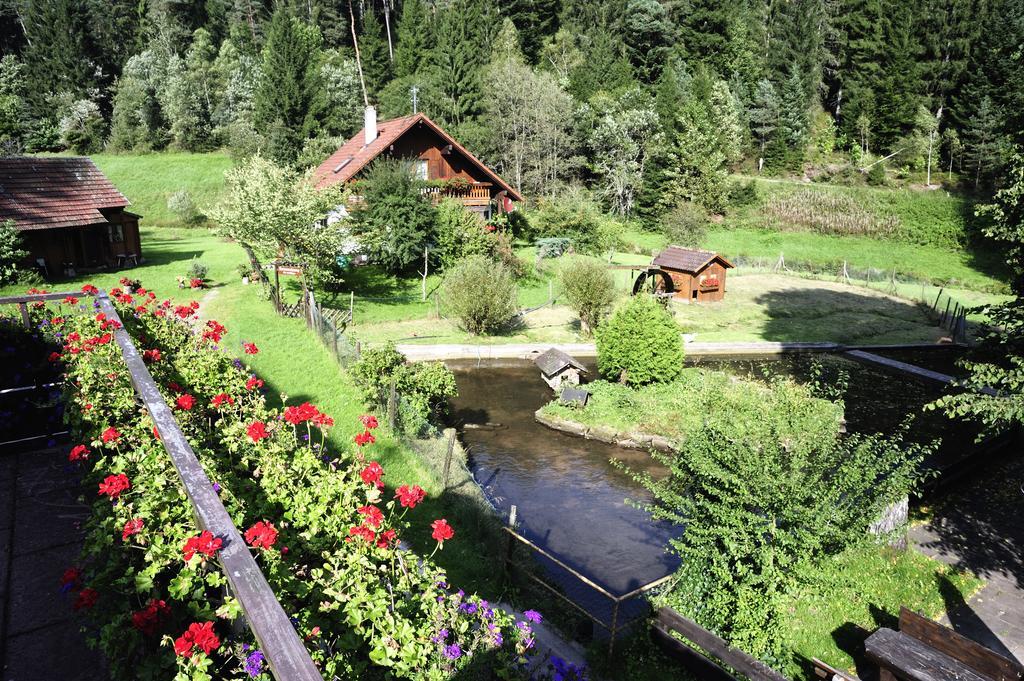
x: 573, y: 502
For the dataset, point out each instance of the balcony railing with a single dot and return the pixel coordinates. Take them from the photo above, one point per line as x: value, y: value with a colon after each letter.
x: 478, y: 194
x: 284, y: 650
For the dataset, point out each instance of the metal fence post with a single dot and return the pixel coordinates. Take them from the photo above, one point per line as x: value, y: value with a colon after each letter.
x: 448, y: 460
x: 508, y: 536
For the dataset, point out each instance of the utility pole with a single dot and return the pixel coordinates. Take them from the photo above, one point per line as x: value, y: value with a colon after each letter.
x: 414, y: 90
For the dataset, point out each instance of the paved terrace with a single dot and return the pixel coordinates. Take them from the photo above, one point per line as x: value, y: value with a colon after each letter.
x: 40, y: 635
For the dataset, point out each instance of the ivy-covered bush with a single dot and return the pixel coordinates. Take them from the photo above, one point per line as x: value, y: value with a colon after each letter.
x: 324, y: 525
x: 11, y: 252
x: 461, y: 233
x: 589, y: 290
x: 640, y: 344
x: 481, y: 294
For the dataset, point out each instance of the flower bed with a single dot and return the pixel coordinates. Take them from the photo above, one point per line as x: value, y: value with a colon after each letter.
x: 324, y: 530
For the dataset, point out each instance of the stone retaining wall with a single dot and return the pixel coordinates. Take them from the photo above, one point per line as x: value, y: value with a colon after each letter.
x: 605, y: 433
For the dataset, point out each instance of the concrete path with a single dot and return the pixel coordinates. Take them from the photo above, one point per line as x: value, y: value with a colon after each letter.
x: 979, y: 526
x: 39, y: 539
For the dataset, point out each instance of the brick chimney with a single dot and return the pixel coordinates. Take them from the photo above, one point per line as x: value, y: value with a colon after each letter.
x: 370, y: 125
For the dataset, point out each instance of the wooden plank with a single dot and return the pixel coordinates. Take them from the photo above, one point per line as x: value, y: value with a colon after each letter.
x: 713, y: 644
x: 699, y: 664
x: 983, y: 660
x: 34, y: 297
x: 826, y: 671
x: 911, y: 660
x: 286, y: 654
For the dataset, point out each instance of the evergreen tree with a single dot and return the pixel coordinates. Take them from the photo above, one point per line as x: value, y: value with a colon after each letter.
x: 458, y: 62
x: 536, y: 20
x: 414, y: 39
x: 791, y: 135
x: 647, y: 34
x: 983, y: 143
x: 288, y: 99
x: 604, y: 67
x: 373, y: 50
x: 859, y: 23
x: 704, y: 30
x: 764, y: 113
x: 898, y: 88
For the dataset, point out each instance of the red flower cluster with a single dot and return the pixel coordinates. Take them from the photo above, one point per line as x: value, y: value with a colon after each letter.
x: 132, y: 527
x: 301, y: 413
x: 410, y: 496
x: 199, y: 636
x: 195, y: 283
x: 86, y: 599
x: 70, y: 300
x: 372, y: 516
x: 71, y: 579
x: 369, y: 421
x: 262, y: 535
x: 372, y: 475
x: 250, y: 348
x: 219, y: 400
x: 148, y: 619
x: 214, y: 331
x: 78, y: 453
x: 114, y: 485
x: 150, y: 356
x: 90, y: 290
x: 257, y: 431
x: 54, y: 356
x: 366, y: 533
x: 322, y: 420
x: 364, y: 438
x: 253, y: 383
x: 110, y: 435
x: 441, y: 530
x: 185, y: 402
x: 203, y: 543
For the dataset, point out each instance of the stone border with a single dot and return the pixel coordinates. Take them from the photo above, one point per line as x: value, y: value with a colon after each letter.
x: 605, y: 434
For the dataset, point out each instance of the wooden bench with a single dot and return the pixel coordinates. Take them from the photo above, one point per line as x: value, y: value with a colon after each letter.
x: 923, y: 650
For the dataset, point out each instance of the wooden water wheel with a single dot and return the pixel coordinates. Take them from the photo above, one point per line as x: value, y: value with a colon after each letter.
x: 655, y: 282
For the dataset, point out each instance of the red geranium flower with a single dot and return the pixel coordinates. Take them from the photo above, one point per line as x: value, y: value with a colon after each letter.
x: 110, y: 435
x: 156, y: 433
x: 250, y: 348
x: 78, y: 453
x: 372, y: 515
x: 150, y: 356
x: 262, y: 535
x: 54, y: 356
x: 203, y: 543
x: 387, y: 538
x: 257, y: 431
x: 185, y: 402
x: 89, y: 289
x: 303, y: 412
x: 364, y: 438
x: 196, y: 283
x: 363, y: 532
x: 133, y: 526
x: 196, y: 636
x: 215, y: 331
x: 71, y: 579
x: 253, y: 383
x: 220, y: 399
x: 369, y: 421
x: 372, y: 474
x: 174, y: 387
x: 410, y: 496
x: 441, y: 530
x: 70, y: 300
x: 322, y: 420
x: 114, y: 485
x: 86, y: 599
x: 148, y: 619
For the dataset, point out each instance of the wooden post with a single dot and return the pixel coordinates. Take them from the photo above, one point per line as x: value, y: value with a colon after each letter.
x: 448, y: 461
x: 25, y: 319
x: 615, y: 623
x: 351, y: 307
x: 277, y: 288
x: 437, y: 306
x: 935, y: 307
x: 334, y: 332
x: 509, y: 544
x: 393, y: 406
x: 945, y: 315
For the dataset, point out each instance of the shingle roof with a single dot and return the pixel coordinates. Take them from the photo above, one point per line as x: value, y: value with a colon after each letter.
x: 554, y: 360
x: 44, y: 193
x: 687, y: 259
x: 354, y: 155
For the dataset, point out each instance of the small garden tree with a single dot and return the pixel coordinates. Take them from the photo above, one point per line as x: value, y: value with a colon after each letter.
x: 396, y: 221
x: 640, y: 344
x: 589, y: 289
x: 11, y: 252
x: 481, y: 294
x: 461, y: 233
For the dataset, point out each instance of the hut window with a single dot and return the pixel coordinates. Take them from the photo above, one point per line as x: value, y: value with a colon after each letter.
x: 420, y: 169
x: 115, y: 233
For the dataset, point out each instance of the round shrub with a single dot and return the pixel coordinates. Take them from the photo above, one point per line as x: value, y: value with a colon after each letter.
x: 589, y: 290
x: 640, y: 344
x: 184, y: 208
x: 686, y: 225
x: 460, y: 233
x: 481, y: 294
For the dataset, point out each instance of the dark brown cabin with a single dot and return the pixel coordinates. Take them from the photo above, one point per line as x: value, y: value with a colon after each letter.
x: 449, y: 169
x: 71, y: 218
x: 697, y: 276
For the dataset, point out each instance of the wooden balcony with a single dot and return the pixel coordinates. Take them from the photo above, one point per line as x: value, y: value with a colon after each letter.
x: 476, y: 194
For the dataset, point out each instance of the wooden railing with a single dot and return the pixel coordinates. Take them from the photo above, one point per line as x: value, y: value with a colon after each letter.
x: 280, y: 643
x: 470, y: 194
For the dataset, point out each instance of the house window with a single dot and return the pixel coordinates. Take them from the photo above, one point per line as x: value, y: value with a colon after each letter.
x: 420, y: 170
x: 115, y: 233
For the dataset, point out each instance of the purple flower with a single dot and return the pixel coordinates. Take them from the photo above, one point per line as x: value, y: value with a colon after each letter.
x: 453, y: 652
x: 533, y: 616
x: 440, y: 636
x: 254, y: 663
x: 498, y: 640
x: 216, y: 488
x: 237, y: 362
x: 468, y: 608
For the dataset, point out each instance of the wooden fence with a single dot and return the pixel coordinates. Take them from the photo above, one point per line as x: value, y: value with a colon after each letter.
x: 280, y: 643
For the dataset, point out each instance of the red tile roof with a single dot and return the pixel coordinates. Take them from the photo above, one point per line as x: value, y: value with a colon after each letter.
x: 687, y: 259
x: 354, y: 155
x: 50, y: 192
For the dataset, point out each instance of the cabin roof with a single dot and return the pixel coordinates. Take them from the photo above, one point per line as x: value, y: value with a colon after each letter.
x: 52, y: 192
x: 354, y: 155
x: 687, y: 259
x: 553, y: 360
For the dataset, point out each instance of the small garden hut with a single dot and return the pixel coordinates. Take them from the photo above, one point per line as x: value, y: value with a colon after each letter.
x: 697, y: 276
x: 558, y: 369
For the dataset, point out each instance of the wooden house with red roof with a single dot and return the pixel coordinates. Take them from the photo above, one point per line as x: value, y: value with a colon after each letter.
x: 693, y: 275
x: 436, y: 157
x: 70, y: 216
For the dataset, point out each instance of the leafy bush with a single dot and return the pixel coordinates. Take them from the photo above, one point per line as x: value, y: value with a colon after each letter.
x: 11, y: 252
x: 81, y: 127
x: 575, y: 216
x: 481, y: 294
x: 743, y: 194
x: 589, y: 289
x: 686, y: 225
x: 180, y: 203
x: 197, y: 270
x: 640, y: 344
x: 395, y: 221
x: 877, y: 176
x: 552, y: 247
x: 422, y: 387
x: 461, y: 233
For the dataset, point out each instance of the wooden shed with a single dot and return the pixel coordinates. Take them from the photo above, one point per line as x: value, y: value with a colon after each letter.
x: 559, y: 369
x: 71, y: 217
x: 697, y: 276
